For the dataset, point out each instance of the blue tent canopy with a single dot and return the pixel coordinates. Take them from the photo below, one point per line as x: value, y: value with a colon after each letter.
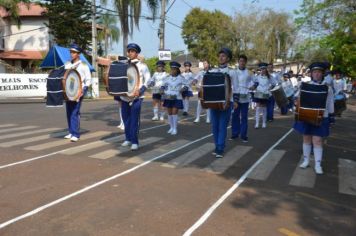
x: 57, y: 56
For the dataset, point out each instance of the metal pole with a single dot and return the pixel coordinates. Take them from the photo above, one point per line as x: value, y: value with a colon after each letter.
x: 94, y: 37
x: 162, y: 24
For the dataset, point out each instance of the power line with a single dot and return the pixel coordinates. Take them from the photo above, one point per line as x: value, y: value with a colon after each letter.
x: 186, y: 3
x: 23, y: 32
x: 170, y: 6
x: 174, y: 24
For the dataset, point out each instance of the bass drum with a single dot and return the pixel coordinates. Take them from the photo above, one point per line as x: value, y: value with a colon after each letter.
x: 122, y: 79
x: 280, y: 96
x: 72, y: 85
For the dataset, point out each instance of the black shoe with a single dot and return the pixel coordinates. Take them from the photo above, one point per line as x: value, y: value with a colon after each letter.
x: 185, y: 113
x: 233, y: 138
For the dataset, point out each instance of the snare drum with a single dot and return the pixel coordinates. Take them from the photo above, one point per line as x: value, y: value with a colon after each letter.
x: 288, y: 88
x: 311, y: 103
x: 216, y: 91
x: 261, y: 95
x: 72, y: 85
x: 280, y: 96
x: 123, y: 79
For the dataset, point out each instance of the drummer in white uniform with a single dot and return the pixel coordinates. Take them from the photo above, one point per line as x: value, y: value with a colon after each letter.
x: 289, y: 92
x: 73, y: 107
x: 157, y: 82
x: 189, y: 77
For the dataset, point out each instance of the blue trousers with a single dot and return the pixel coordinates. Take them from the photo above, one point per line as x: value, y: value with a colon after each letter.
x: 220, y: 120
x: 73, y: 115
x: 284, y: 110
x: 239, y: 122
x: 270, y: 108
x: 131, y: 117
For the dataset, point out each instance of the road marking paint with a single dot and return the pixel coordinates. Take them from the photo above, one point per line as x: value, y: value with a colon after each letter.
x: 220, y: 165
x: 53, y: 203
x: 28, y: 133
x: 287, y: 232
x: 307, y: 195
x: 210, y: 211
x: 62, y: 142
x: 7, y: 125
x: 32, y: 139
x: 303, y: 177
x: 263, y: 171
x: 18, y: 129
x: 347, y: 176
x: 190, y: 156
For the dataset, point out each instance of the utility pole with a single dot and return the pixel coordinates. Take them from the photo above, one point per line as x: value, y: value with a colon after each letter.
x: 162, y: 24
x: 94, y: 37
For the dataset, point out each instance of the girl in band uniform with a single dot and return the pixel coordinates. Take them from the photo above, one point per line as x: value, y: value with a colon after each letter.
x: 157, y: 80
x: 189, y: 77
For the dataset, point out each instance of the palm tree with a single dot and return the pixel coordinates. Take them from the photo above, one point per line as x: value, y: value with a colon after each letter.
x: 110, y: 32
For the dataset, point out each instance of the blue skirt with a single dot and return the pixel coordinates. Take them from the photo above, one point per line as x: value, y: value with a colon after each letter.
x: 157, y: 96
x: 187, y: 94
x: 260, y: 100
x: 308, y: 129
x: 173, y: 103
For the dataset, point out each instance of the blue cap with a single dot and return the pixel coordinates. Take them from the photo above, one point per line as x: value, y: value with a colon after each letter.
x: 317, y: 66
x: 227, y: 52
x: 75, y: 48
x: 263, y: 65
x: 134, y: 46
x: 160, y: 63
x: 187, y: 63
x: 174, y: 64
x: 286, y: 75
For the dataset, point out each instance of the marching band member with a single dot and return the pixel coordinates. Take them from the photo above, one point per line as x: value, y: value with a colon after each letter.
x: 339, y: 88
x: 73, y: 107
x: 274, y: 77
x: 313, y: 135
x: 173, y: 86
x: 287, y: 85
x: 262, y: 85
x: 189, y: 77
x: 220, y: 118
x: 157, y: 80
x: 198, y: 83
x: 131, y: 107
x: 241, y: 92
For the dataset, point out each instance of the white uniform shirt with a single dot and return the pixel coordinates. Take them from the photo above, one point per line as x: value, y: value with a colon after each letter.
x: 241, y: 85
x: 339, y: 85
x: 189, y: 77
x: 83, y: 70
x: 288, y: 88
x: 229, y: 71
x: 144, y: 74
x: 264, y: 84
x: 199, y: 78
x: 174, y: 85
x: 157, y: 78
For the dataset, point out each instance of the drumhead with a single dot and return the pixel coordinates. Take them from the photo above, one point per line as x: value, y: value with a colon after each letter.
x: 132, y: 78
x: 73, y: 85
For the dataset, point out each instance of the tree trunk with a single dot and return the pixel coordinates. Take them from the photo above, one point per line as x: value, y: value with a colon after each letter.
x: 106, y: 44
x: 124, y: 43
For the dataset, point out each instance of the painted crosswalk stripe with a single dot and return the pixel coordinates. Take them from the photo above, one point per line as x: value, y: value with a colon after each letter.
x: 222, y: 164
x: 156, y: 151
x: 14, y: 135
x: 7, y: 125
x: 190, y: 156
x: 113, y: 152
x: 265, y: 168
x: 32, y: 139
x: 303, y: 177
x: 65, y: 141
x: 347, y: 176
x: 17, y: 129
x: 93, y: 145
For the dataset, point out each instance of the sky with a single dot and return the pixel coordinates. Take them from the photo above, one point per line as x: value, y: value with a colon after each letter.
x: 147, y: 36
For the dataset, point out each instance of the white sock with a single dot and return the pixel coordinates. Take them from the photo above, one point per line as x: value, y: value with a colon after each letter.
x: 198, y: 109
x: 155, y: 111
x: 257, y: 117
x: 318, y: 155
x: 264, y: 115
x: 162, y: 113
x: 170, y: 121
x: 186, y: 105
x: 306, y: 151
x: 175, y: 121
x: 120, y: 114
x: 208, y: 115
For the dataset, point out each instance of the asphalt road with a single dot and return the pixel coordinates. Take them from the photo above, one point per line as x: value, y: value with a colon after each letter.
x: 172, y: 185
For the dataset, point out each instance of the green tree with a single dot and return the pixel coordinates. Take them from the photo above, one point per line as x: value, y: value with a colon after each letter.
x: 70, y: 21
x: 332, y: 25
x: 110, y: 32
x: 205, y: 32
x: 12, y: 7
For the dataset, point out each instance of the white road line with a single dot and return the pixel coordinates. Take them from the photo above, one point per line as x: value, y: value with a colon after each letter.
x: 64, y: 150
x: 7, y: 125
x: 347, y: 176
x: 210, y: 211
x: 18, y: 128
x: 266, y: 167
x: 190, y: 156
x: 303, y: 177
x: 113, y: 152
x: 220, y: 165
x: 33, y: 139
x: 36, y: 131
x: 53, y: 203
